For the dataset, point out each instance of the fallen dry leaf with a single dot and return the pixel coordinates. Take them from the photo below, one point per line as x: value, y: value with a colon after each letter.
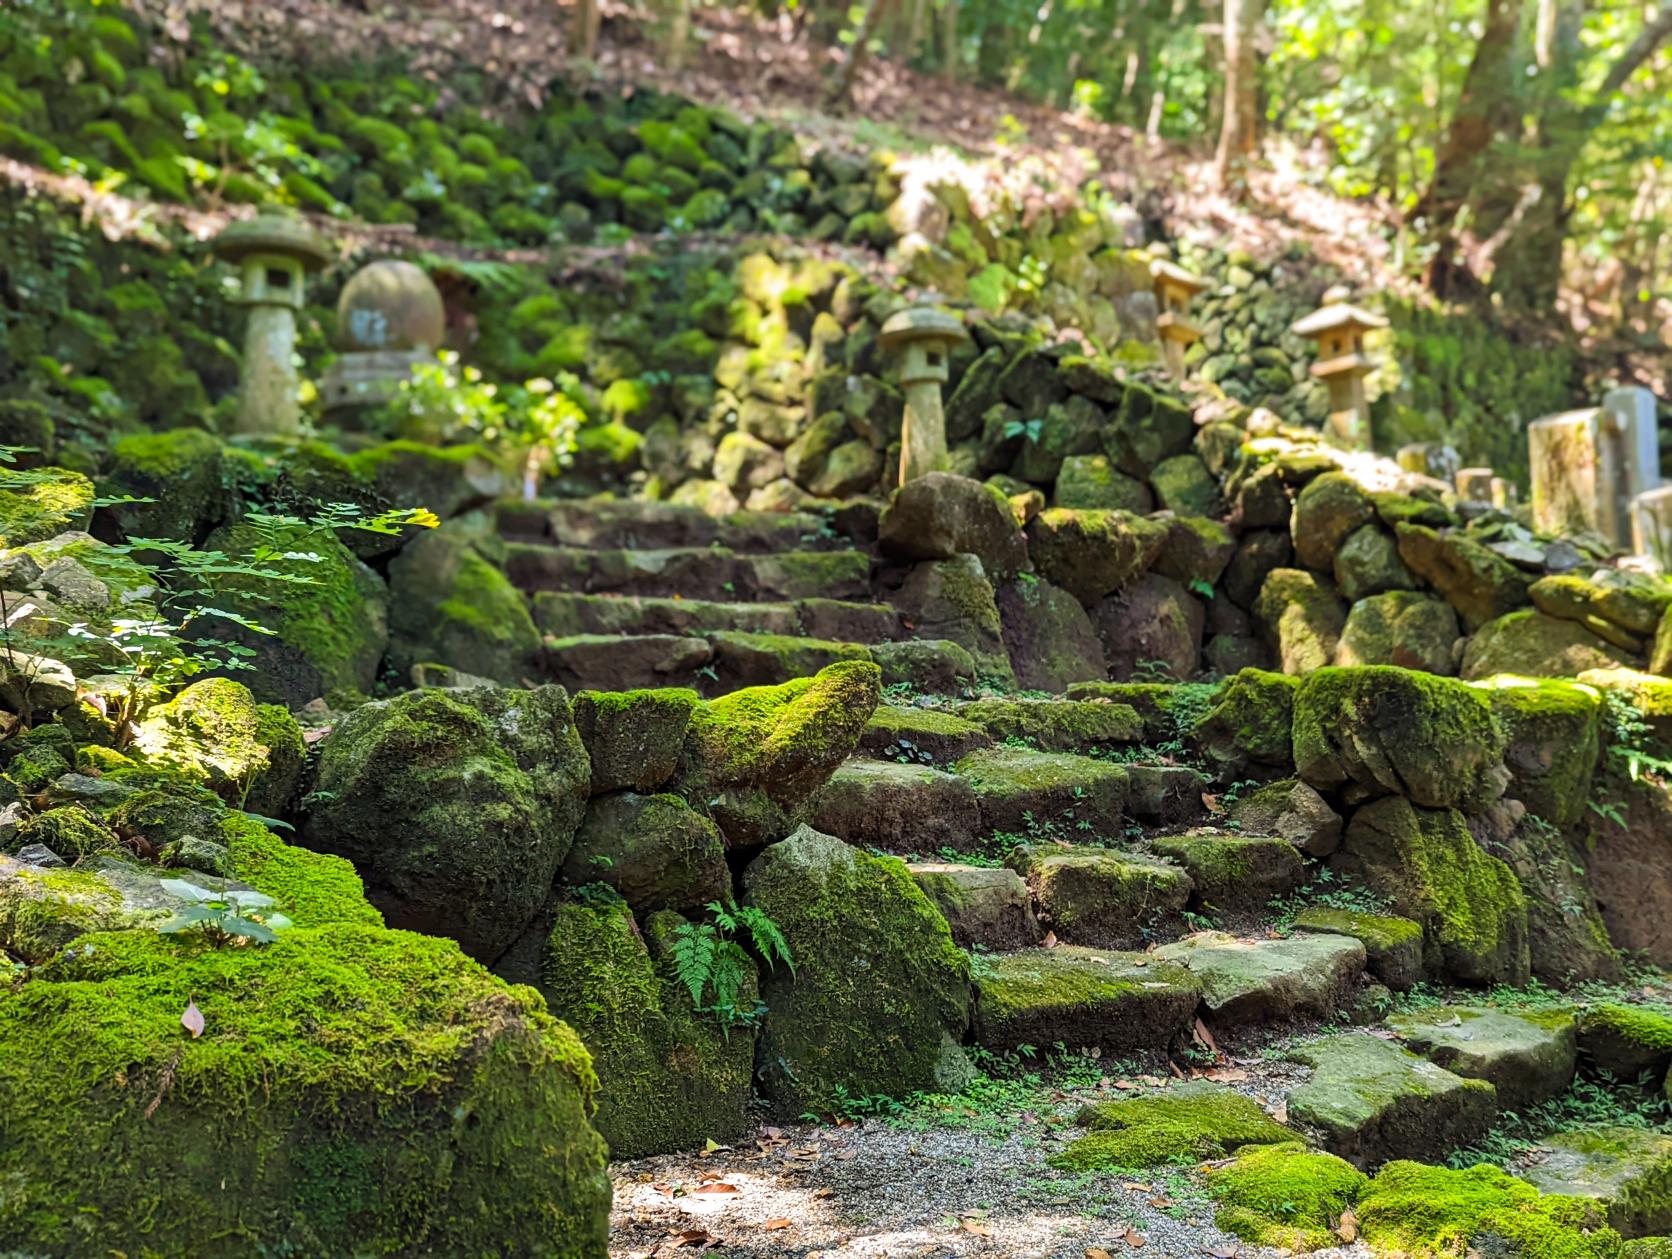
x: 1205, y: 1038
x: 716, y: 1186
x: 1135, y: 1239
x: 1137, y: 1186
x: 1097, y: 1252
x: 1161, y: 1203
x: 773, y: 1225
x: 1280, y: 1112
x: 1347, y: 1227
x: 1050, y: 940
x: 1223, y: 1250
x: 1226, y: 1075
x: 192, y: 1019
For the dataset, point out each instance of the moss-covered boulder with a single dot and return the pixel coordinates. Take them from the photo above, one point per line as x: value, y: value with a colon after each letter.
x: 1186, y: 1124
x: 1430, y: 868
x: 1196, y: 552
x: 1478, y: 583
x: 1290, y: 810
x: 215, y: 733
x: 1528, y: 1056
x: 55, y: 501
x: 755, y: 759
x: 1432, y: 1212
x: 1056, y: 725
x: 1367, y: 563
x: 1551, y: 731
x: 1626, y: 1041
x: 1152, y: 628
x: 1092, y: 554
x: 1048, y: 636
x: 1400, y: 628
x: 1092, y: 483
x: 1117, y: 1002
x: 1269, y: 980
x: 1374, y: 1101
x: 1022, y: 791
x: 1529, y: 643
x: 1627, y: 846
x: 938, y: 516
x: 1626, y: 1172
x: 670, y: 1076
x: 633, y: 738
x: 449, y: 604
x: 181, y: 470
x: 1250, y: 722
x: 1102, y: 896
x: 457, y: 807
x: 899, y: 806
x: 325, y: 614
x: 1329, y: 509
x: 656, y: 851
x: 1391, y: 730
x: 386, y: 1094
x: 1302, y: 617
x: 1392, y: 945
x: 1567, y: 937
x: 953, y: 600
x: 1234, y: 874
x: 839, y: 1028
x: 1284, y: 1195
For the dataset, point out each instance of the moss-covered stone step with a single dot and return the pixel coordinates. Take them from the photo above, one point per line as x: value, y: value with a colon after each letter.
x: 1269, y: 980
x: 1528, y: 1056
x: 987, y: 907
x: 1048, y: 794
x: 1186, y: 1123
x: 714, y: 573
x: 1626, y: 1171
x: 625, y: 662
x: 1373, y: 1100
x: 900, y: 808
x: 1101, y: 896
x: 633, y: 523
x: 1392, y: 945
x: 563, y: 613
x: 1056, y: 725
x: 1235, y: 874
x: 914, y: 733
x: 1626, y: 1041
x: 1119, y: 1002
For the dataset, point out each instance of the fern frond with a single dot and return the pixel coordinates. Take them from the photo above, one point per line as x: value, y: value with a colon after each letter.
x: 768, y: 939
x: 694, y: 947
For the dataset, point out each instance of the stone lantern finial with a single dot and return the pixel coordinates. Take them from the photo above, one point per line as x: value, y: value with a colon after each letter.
x: 1339, y: 328
x: 390, y: 317
x: 272, y: 251
x: 924, y: 337
x: 1174, y: 287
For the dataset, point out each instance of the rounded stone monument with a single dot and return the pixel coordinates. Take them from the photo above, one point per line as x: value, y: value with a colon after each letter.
x: 389, y: 318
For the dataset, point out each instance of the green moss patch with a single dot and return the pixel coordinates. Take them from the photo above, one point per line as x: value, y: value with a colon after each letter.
x: 1184, y: 1125
x: 1284, y: 1195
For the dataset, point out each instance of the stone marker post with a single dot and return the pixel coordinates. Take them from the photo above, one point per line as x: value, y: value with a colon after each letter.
x: 390, y: 318
x: 1174, y: 287
x: 1651, y: 520
x: 1588, y: 466
x: 1339, y: 327
x: 272, y: 251
x: 923, y: 336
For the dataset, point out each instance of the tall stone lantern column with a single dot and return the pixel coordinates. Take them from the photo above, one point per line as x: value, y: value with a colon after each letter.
x: 273, y: 252
x: 1339, y: 328
x: 1174, y: 287
x: 923, y: 337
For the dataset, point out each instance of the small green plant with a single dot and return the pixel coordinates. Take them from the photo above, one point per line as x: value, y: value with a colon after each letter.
x: 1030, y: 429
x: 712, y: 963
x: 1330, y: 890
x: 238, y: 916
x: 1631, y: 740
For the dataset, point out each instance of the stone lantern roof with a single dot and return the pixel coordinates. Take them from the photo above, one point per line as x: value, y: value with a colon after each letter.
x: 1171, y: 275
x: 272, y: 232
x: 920, y: 323
x: 1338, y: 316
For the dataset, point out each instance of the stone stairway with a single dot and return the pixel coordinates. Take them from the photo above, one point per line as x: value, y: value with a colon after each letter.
x: 636, y: 594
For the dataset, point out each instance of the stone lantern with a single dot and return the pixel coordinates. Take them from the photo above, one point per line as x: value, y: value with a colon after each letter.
x: 273, y: 252
x: 923, y: 337
x: 390, y: 318
x: 1339, y: 328
x: 1174, y: 287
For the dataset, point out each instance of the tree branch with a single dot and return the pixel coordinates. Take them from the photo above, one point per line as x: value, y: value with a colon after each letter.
x: 1640, y: 50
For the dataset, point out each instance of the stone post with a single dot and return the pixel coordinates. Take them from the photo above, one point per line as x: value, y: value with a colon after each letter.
x: 272, y: 252
x: 1174, y: 287
x: 1339, y: 327
x: 923, y: 336
x: 1651, y: 518
x: 1588, y: 466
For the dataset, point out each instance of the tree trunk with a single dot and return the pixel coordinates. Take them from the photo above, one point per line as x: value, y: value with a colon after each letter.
x: 949, y: 38
x: 841, y: 93
x: 1239, y: 131
x: 583, y: 34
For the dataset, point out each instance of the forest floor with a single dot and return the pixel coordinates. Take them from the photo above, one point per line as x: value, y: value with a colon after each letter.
x: 940, y: 1177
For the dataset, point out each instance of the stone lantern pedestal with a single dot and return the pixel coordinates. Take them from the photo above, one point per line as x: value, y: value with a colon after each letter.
x: 1339, y: 328
x: 273, y: 253
x: 923, y: 337
x: 390, y: 318
x: 1174, y: 287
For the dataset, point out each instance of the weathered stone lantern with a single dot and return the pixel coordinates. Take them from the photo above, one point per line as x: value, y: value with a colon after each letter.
x: 1339, y: 328
x: 273, y: 252
x: 923, y: 336
x: 1174, y: 287
x: 390, y: 318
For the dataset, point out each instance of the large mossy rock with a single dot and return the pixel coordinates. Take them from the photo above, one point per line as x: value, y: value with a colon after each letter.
x: 1396, y: 731
x: 1092, y: 554
x: 755, y: 759
x: 1153, y: 627
x: 1022, y: 791
x: 670, y: 1077
x: 1285, y: 1195
x: 1374, y: 1101
x: 1250, y: 722
x: 327, y: 623
x: 56, y: 502
x: 1530, y: 643
x: 1327, y: 510
x: 656, y: 851
x: 1628, y: 862
x: 952, y: 600
x: 1400, y: 628
x: 1413, y: 1209
x: 457, y: 807
x: 1479, y: 583
x: 181, y: 471
x: 214, y: 732
x: 354, y: 1090
x: 1103, y: 897
x: 1551, y: 739
x: 633, y: 738
x: 1266, y: 981
x: 1302, y: 616
x: 449, y: 604
x: 880, y: 996
x: 938, y: 516
x: 1392, y: 945
x: 1050, y: 639
x: 1430, y: 868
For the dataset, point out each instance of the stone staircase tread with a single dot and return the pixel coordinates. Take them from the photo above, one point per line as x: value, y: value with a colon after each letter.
x: 710, y: 573
x: 636, y: 523
x: 565, y: 612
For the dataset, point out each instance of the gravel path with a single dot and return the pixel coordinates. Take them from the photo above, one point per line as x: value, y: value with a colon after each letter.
x: 914, y: 1187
